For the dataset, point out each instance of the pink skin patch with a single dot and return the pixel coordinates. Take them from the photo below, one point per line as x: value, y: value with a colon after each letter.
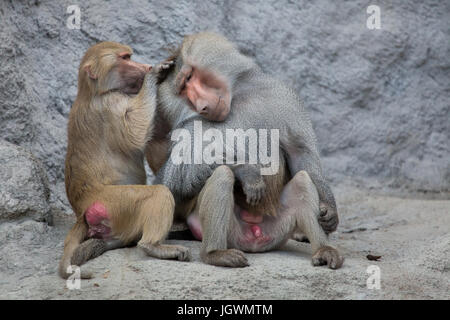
x: 253, y: 237
x: 256, y: 231
x: 97, y: 218
x: 250, y: 217
x: 253, y: 220
x: 253, y: 234
x: 196, y: 228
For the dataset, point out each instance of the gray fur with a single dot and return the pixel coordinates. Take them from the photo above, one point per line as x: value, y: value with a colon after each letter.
x: 92, y: 248
x: 258, y: 101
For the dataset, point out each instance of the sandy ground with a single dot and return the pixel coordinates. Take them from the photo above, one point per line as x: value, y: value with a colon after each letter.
x: 412, y: 236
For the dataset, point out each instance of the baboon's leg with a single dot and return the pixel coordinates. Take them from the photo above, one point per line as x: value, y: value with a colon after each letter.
x: 215, y: 209
x: 307, y: 159
x: 300, y: 197
x: 145, y: 213
x: 119, y: 216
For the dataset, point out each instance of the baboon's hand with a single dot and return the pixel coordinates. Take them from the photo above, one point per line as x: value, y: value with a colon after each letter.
x: 162, y: 69
x: 167, y: 64
x: 254, y: 190
x: 253, y: 185
x: 328, y: 216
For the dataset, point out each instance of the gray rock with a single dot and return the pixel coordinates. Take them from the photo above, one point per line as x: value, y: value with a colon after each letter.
x: 24, y: 190
x: 25, y: 245
x: 379, y: 99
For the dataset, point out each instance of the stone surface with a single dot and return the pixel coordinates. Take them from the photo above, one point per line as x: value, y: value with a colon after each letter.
x: 411, y: 235
x: 24, y: 190
x: 379, y: 99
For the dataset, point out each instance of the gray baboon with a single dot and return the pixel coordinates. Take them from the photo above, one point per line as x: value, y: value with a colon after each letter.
x: 224, y: 204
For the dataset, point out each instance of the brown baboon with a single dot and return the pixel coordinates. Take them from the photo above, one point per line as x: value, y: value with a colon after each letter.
x: 110, y: 124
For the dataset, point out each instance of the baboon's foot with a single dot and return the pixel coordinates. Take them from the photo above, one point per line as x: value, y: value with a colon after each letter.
x: 327, y: 256
x: 166, y: 251
x: 300, y: 237
x: 232, y: 258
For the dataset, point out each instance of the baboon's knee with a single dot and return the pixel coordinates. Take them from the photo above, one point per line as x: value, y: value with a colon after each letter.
x: 223, y: 174
x: 162, y: 206
x: 303, y: 185
x: 165, y: 196
x: 302, y: 177
x: 302, y: 180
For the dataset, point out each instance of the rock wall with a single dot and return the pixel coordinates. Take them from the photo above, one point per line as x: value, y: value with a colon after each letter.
x: 24, y: 190
x: 379, y: 99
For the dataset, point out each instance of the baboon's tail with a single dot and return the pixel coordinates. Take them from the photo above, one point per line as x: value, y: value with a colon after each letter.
x: 76, y: 235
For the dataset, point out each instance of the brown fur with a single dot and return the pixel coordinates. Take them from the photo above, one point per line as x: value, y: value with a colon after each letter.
x: 108, y: 131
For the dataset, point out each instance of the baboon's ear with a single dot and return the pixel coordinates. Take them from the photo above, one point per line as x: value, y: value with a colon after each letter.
x: 90, y: 73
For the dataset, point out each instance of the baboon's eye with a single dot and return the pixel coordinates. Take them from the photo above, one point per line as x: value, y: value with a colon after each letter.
x: 125, y: 56
x: 188, y: 77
